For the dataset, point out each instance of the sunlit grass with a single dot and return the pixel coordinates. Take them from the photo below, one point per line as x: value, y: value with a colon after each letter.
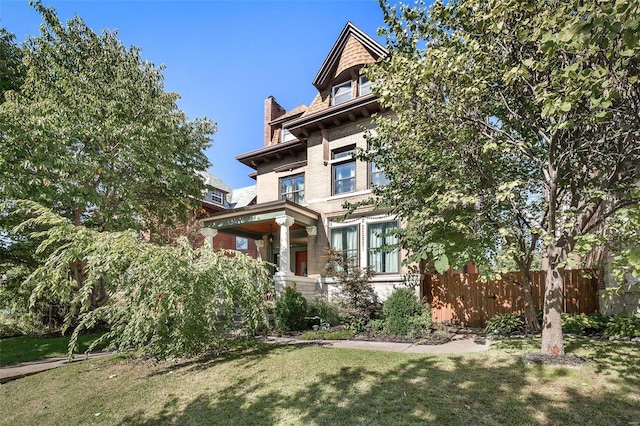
x: 319, y: 385
x: 14, y: 350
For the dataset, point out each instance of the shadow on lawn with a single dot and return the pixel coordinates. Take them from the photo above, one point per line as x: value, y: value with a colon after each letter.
x: 245, y: 354
x: 463, y: 390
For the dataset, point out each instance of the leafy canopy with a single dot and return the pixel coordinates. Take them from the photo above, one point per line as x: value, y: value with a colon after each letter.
x: 92, y: 134
x: 515, y: 129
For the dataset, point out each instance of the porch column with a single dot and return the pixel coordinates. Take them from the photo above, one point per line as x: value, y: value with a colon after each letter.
x: 285, y: 222
x: 209, y: 234
x: 259, y: 246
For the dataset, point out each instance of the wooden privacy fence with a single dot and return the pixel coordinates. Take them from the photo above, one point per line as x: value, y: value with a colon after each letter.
x: 465, y: 299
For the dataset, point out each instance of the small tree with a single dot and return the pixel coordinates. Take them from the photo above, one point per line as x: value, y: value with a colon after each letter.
x: 356, y: 295
x: 291, y: 310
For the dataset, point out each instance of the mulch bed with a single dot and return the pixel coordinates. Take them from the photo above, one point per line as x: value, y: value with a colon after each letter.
x: 436, y: 337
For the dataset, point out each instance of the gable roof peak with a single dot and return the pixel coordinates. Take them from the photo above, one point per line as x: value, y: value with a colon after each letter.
x: 324, y: 76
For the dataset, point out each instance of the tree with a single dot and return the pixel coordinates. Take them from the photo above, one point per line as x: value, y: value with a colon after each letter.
x: 516, y: 127
x: 168, y: 301
x: 91, y: 134
x: 356, y: 296
x: 11, y: 66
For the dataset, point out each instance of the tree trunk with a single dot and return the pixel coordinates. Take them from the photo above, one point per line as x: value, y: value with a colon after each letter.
x: 530, y: 317
x: 552, y: 322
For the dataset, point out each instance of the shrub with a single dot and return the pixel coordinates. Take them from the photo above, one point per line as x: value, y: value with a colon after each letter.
x: 421, y: 324
x: 291, y: 310
x: 400, y: 309
x: 377, y: 326
x: 356, y: 296
x: 505, y: 324
x: 327, y: 312
x: 623, y: 326
x: 582, y: 324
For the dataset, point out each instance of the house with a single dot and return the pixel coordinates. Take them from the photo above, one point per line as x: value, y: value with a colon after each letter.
x: 220, y: 197
x: 305, y: 172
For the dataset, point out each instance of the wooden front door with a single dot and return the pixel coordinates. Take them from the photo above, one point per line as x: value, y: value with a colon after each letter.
x: 301, y: 263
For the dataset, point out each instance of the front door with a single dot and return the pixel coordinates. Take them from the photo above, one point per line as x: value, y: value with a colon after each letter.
x: 301, y: 263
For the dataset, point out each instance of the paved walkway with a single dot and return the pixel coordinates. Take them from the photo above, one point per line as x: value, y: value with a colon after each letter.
x: 459, y: 344
x: 24, y: 369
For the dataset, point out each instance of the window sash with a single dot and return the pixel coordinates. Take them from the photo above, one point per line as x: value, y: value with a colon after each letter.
x: 292, y: 188
x: 345, y: 241
x: 242, y: 243
x: 379, y: 260
x: 344, y: 177
x: 365, y: 85
x: 377, y: 176
x: 341, y: 93
x: 215, y: 196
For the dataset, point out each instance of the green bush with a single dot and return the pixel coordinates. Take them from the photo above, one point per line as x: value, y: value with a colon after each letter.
x: 623, y: 326
x: 505, y: 324
x: 582, y: 324
x: 400, y: 309
x: 377, y: 326
x: 291, y: 310
x: 327, y: 312
x: 421, y: 324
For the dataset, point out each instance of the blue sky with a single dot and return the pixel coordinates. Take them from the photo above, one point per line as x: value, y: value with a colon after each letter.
x: 223, y: 57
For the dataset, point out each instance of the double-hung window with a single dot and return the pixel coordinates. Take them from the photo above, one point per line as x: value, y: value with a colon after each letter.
x: 341, y: 93
x: 345, y: 241
x: 365, y: 85
x: 376, y: 175
x: 380, y: 259
x: 344, y: 171
x: 292, y: 188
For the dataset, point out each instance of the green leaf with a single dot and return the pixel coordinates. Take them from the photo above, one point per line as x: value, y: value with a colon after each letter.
x: 441, y: 264
x: 565, y: 106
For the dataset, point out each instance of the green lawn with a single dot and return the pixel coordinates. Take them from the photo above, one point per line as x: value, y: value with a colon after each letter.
x: 314, y: 385
x: 14, y: 350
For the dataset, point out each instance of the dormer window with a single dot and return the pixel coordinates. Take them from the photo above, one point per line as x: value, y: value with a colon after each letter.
x: 341, y: 93
x: 214, y: 196
x: 365, y: 85
x: 287, y: 136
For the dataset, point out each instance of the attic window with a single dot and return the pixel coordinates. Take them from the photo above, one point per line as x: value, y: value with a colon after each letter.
x: 287, y: 136
x: 341, y: 93
x: 214, y: 196
x: 365, y: 85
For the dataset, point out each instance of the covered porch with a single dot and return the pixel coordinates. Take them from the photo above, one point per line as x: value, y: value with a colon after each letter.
x: 285, y: 235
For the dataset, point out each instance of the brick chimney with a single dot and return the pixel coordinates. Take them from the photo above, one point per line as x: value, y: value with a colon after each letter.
x: 272, y: 110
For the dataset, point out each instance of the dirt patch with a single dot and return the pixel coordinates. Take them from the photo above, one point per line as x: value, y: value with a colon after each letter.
x: 567, y: 360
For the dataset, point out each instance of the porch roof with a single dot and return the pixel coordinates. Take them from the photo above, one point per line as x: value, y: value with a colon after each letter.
x: 258, y: 220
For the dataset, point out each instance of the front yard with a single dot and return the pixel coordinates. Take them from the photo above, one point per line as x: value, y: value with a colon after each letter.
x: 316, y: 385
